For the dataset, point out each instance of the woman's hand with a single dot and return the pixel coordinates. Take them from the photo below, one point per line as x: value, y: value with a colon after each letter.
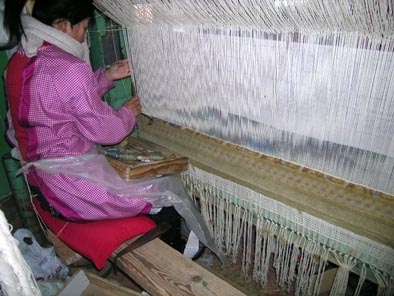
x: 134, y: 105
x: 118, y: 70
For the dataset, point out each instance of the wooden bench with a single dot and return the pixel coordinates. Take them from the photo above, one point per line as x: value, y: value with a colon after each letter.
x: 160, y: 270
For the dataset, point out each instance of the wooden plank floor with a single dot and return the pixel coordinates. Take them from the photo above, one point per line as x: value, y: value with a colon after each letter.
x: 163, y: 271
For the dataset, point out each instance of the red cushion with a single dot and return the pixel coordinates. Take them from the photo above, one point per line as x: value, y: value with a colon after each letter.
x: 98, y: 239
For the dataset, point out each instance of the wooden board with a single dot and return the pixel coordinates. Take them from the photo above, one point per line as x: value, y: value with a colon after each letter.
x: 87, y: 284
x: 134, y: 169
x: 161, y: 270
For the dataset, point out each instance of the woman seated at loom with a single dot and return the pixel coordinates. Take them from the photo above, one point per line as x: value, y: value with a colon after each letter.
x: 57, y: 111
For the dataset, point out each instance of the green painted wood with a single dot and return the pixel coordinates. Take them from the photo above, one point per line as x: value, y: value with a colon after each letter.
x: 106, y: 47
x: 22, y: 197
x: 5, y: 189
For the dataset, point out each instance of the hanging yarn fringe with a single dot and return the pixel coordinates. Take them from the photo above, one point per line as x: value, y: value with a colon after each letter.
x: 293, y: 256
x: 385, y: 283
x: 264, y: 233
x: 346, y: 263
x: 264, y: 248
x: 361, y: 280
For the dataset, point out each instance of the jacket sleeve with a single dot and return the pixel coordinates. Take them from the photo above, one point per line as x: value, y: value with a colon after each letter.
x: 103, y: 82
x: 95, y: 119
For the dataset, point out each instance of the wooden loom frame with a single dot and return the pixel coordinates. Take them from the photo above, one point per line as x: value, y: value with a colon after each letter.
x: 331, y: 199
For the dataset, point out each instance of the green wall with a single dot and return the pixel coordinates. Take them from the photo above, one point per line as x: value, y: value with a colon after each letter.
x: 106, y: 47
x: 4, y: 147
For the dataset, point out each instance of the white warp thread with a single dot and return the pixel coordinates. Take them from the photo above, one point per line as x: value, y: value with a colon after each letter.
x: 303, y: 81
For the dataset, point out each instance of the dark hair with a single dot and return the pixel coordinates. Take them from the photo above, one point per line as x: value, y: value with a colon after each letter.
x: 12, y: 21
x: 46, y: 11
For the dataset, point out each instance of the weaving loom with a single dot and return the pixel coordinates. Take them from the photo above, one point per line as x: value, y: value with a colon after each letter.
x: 286, y: 110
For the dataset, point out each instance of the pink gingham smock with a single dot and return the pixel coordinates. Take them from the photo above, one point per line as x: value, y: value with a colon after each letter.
x: 61, y: 113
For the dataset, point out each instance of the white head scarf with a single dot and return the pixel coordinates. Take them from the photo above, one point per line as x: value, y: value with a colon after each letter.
x: 37, y: 32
